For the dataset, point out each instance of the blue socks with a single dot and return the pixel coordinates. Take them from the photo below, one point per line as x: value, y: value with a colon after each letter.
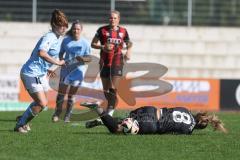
x: 27, y: 116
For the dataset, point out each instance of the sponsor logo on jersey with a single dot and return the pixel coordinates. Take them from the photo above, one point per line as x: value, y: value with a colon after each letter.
x: 114, y: 40
x: 46, y: 46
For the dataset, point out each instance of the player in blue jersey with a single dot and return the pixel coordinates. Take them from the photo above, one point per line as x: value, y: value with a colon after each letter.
x: 34, y: 72
x: 75, y: 48
x: 153, y: 120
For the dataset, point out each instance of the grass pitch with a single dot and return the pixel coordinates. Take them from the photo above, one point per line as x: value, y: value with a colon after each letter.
x: 60, y: 141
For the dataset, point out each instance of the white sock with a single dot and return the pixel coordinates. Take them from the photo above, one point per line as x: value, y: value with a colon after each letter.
x: 110, y: 112
x: 99, y: 119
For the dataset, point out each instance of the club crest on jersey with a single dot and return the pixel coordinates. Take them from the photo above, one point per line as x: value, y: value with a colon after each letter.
x: 46, y: 46
x: 121, y: 35
x: 107, y: 34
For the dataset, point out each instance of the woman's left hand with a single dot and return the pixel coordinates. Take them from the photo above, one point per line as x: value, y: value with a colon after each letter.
x: 51, y: 73
x: 126, y: 57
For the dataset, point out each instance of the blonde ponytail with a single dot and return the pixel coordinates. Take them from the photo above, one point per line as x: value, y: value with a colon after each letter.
x: 217, y: 124
x: 202, y: 119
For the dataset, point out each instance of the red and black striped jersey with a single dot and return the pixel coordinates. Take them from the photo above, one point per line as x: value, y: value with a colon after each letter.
x: 117, y: 38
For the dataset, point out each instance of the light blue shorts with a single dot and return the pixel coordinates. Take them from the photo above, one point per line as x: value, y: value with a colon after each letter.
x: 35, y: 84
x: 72, y: 76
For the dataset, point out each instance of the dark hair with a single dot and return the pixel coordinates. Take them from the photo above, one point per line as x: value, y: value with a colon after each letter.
x: 202, y: 119
x: 59, y: 19
x: 73, y: 24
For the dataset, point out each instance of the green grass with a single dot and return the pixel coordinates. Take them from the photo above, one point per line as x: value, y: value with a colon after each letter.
x: 59, y: 141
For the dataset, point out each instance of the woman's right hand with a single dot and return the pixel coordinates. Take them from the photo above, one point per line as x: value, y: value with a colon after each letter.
x: 108, y: 47
x: 61, y: 62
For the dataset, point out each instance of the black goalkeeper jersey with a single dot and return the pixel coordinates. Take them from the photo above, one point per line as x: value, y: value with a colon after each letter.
x: 172, y: 120
x: 147, y: 119
x: 176, y: 120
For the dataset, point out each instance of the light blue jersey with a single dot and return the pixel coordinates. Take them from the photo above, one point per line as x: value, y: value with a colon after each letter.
x: 36, y: 66
x: 72, y: 49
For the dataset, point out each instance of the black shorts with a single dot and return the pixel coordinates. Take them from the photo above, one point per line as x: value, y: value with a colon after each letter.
x: 107, y: 72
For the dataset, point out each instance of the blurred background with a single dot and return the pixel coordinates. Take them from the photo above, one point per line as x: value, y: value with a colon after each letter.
x: 197, y: 40
x: 158, y: 12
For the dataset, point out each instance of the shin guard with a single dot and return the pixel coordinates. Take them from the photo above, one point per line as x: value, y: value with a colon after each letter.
x: 59, y: 104
x: 112, y: 101
x: 70, y: 104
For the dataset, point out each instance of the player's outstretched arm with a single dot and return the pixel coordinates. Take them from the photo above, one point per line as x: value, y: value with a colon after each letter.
x: 84, y: 59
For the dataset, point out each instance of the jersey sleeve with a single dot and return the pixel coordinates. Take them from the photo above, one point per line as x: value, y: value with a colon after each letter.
x: 126, y: 37
x: 45, y: 43
x: 87, y: 48
x: 99, y: 33
x: 147, y: 119
x: 63, y: 49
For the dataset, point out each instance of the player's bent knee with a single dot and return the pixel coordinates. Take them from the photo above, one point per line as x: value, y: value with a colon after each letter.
x: 43, y: 103
x: 113, y: 91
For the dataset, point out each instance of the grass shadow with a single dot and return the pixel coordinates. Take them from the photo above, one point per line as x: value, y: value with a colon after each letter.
x: 7, y: 120
x: 6, y: 130
x: 92, y: 133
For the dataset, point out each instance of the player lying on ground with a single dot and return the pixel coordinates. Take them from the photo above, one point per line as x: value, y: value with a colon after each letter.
x: 153, y: 120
